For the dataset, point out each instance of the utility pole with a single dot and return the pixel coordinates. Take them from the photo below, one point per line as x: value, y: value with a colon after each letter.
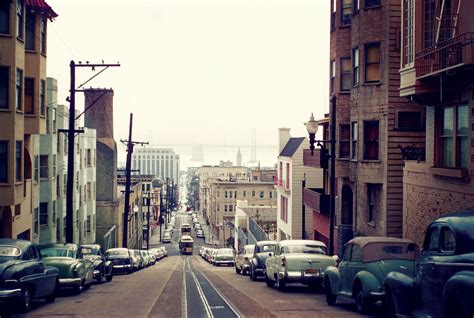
x: 71, y: 134
x: 161, y: 211
x: 148, y: 223
x: 303, y: 209
x: 130, y: 144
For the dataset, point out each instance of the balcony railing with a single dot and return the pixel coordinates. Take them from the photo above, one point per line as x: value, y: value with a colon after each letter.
x: 281, y: 183
x: 447, y: 55
x: 316, y: 199
x: 311, y: 161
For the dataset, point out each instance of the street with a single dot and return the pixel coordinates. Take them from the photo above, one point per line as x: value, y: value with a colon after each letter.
x: 187, y: 286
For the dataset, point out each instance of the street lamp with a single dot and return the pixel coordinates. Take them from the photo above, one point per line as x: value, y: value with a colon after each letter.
x: 135, y: 212
x: 312, y: 128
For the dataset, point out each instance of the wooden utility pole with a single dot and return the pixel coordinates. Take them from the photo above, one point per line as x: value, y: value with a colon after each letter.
x: 71, y: 134
x: 130, y: 144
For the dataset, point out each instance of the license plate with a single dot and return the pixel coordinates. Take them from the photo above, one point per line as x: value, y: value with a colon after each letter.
x: 311, y: 271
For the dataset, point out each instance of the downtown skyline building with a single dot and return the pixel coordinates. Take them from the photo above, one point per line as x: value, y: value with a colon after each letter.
x: 162, y: 163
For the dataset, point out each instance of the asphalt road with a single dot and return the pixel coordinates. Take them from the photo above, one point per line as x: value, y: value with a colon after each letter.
x: 187, y: 286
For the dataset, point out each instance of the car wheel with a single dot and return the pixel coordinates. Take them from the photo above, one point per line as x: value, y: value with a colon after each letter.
x: 24, y: 302
x: 269, y: 282
x: 109, y: 277
x: 79, y: 289
x: 330, y: 297
x: 390, y: 310
x: 50, y: 298
x: 237, y: 270
x: 253, y: 275
x: 281, y: 285
x: 361, y: 303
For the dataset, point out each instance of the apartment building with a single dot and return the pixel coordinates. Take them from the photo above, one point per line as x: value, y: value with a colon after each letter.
x: 23, y: 110
x: 163, y: 163
x: 373, y: 121
x: 436, y: 70
x: 289, y: 186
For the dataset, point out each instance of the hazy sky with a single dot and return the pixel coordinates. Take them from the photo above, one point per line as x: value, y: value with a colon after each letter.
x: 199, y: 71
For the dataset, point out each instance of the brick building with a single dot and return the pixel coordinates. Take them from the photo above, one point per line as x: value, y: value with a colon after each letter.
x: 373, y: 121
x: 437, y: 72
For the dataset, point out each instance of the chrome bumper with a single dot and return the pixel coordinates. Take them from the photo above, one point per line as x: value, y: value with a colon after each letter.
x: 9, y: 293
x: 301, y: 276
x: 223, y: 262
x: 69, y: 282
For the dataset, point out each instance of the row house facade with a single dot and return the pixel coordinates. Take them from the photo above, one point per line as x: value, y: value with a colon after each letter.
x: 373, y: 121
x: 436, y: 70
x: 289, y: 186
x: 23, y: 111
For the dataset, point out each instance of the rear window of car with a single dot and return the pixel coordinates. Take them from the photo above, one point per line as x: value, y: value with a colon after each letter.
x: 304, y: 248
x: 249, y: 249
x: 57, y: 252
x: 226, y: 251
x: 265, y: 248
x: 116, y: 252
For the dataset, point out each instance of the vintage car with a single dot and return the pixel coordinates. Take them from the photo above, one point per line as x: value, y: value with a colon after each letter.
x: 442, y: 284
x: 24, y: 276
x: 262, y: 251
x: 223, y: 256
x: 75, y: 271
x: 242, y: 259
x: 363, y: 268
x: 298, y: 261
x: 103, y: 268
x: 122, y: 260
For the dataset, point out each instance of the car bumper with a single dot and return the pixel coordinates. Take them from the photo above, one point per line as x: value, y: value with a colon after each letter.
x: 218, y: 262
x: 377, y: 295
x: 69, y: 282
x: 122, y: 268
x: 301, y: 277
x: 10, y: 293
x: 246, y: 267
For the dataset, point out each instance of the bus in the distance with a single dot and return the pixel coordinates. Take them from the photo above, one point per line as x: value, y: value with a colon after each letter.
x: 186, y: 244
x: 185, y: 229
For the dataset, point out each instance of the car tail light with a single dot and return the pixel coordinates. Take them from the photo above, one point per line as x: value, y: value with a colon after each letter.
x: 283, y: 261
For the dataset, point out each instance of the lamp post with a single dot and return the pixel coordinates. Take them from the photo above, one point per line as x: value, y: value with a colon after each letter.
x: 312, y: 127
x: 148, y: 222
x: 135, y: 212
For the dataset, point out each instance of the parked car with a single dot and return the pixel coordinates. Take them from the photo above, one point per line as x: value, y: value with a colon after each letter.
x: 75, y: 271
x: 103, y: 268
x: 242, y: 259
x: 122, y: 260
x: 141, y: 259
x: 166, y: 237
x: 363, y: 268
x: 165, y: 251
x: 262, y: 251
x: 442, y: 284
x: 200, y: 234
x: 224, y: 256
x: 197, y: 227
x: 210, y: 255
x: 24, y: 275
x: 297, y: 261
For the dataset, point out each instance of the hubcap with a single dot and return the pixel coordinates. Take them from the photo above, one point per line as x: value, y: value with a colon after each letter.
x: 359, y: 301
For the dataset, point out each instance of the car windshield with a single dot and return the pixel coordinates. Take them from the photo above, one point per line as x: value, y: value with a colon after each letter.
x: 225, y: 251
x: 8, y: 253
x: 57, y: 252
x: 89, y: 251
x: 268, y: 248
x: 116, y: 252
x: 304, y: 248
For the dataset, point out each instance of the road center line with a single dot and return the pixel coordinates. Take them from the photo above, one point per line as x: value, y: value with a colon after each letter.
x: 203, y: 297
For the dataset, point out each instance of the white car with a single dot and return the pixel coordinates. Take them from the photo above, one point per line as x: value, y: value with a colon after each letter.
x: 200, y: 234
x: 197, y: 226
x: 166, y: 238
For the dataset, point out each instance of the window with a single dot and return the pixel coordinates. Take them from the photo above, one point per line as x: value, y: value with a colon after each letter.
x: 4, y: 161
x: 372, y: 3
x: 5, y: 17
x: 454, y: 137
x: 344, y: 140
x: 225, y: 194
x: 88, y: 224
x: 355, y: 66
x: 53, y: 212
x: 346, y: 12
x: 333, y: 15
x: 19, y: 14
x: 44, y: 213
x: 371, y: 196
x: 230, y: 194
x: 54, y: 166
x: 354, y: 137
x: 4, y: 78
x: 347, y: 253
x: 432, y: 240
x: 270, y: 194
x: 356, y: 6
x: 88, y: 158
x: 235, y: 194
x: 408, y: 26
x: 429, y: 23
x: 230, y: 208
x: 30, y: 31
x: 19, y: 89
x: 356, y: 255
x: 29, y: 95
x: 36, y: 165
x: 372, y: 63
x: 253, y: 194
x: 44, y: 167
x: 284, y: 208
x: 42, y: 98
x: 218, y: 208
x: 448, y: 241
x: 261, y: 195
x: 410, y: 120
x: 43, y: 34
x: 371, y: 140
x: 35, y: 220
x: 225, y: 208
x: 333, y: 75
x: 18, y: 154
x: 345, y: 75
x: 244, y: 193
x: 287, y: 175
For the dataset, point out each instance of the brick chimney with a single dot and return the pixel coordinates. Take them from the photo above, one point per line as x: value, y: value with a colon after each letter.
x: 284, y: 136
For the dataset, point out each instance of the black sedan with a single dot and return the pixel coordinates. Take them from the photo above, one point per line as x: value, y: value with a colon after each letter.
x: 103, y: 268
x: 24, y: 276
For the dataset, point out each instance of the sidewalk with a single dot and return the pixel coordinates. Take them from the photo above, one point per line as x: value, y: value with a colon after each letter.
x: 205, y: 229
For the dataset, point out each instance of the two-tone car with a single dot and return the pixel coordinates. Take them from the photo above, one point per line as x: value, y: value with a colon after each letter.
x: 223, y: 256
x: 122, y: 260
x: 75, y: 271
x: 262, y: 251
x: 24, y: 275
x: 242, y: 259
x: 103, y: 268
x: 365, y: 264
x: 298, y: 261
